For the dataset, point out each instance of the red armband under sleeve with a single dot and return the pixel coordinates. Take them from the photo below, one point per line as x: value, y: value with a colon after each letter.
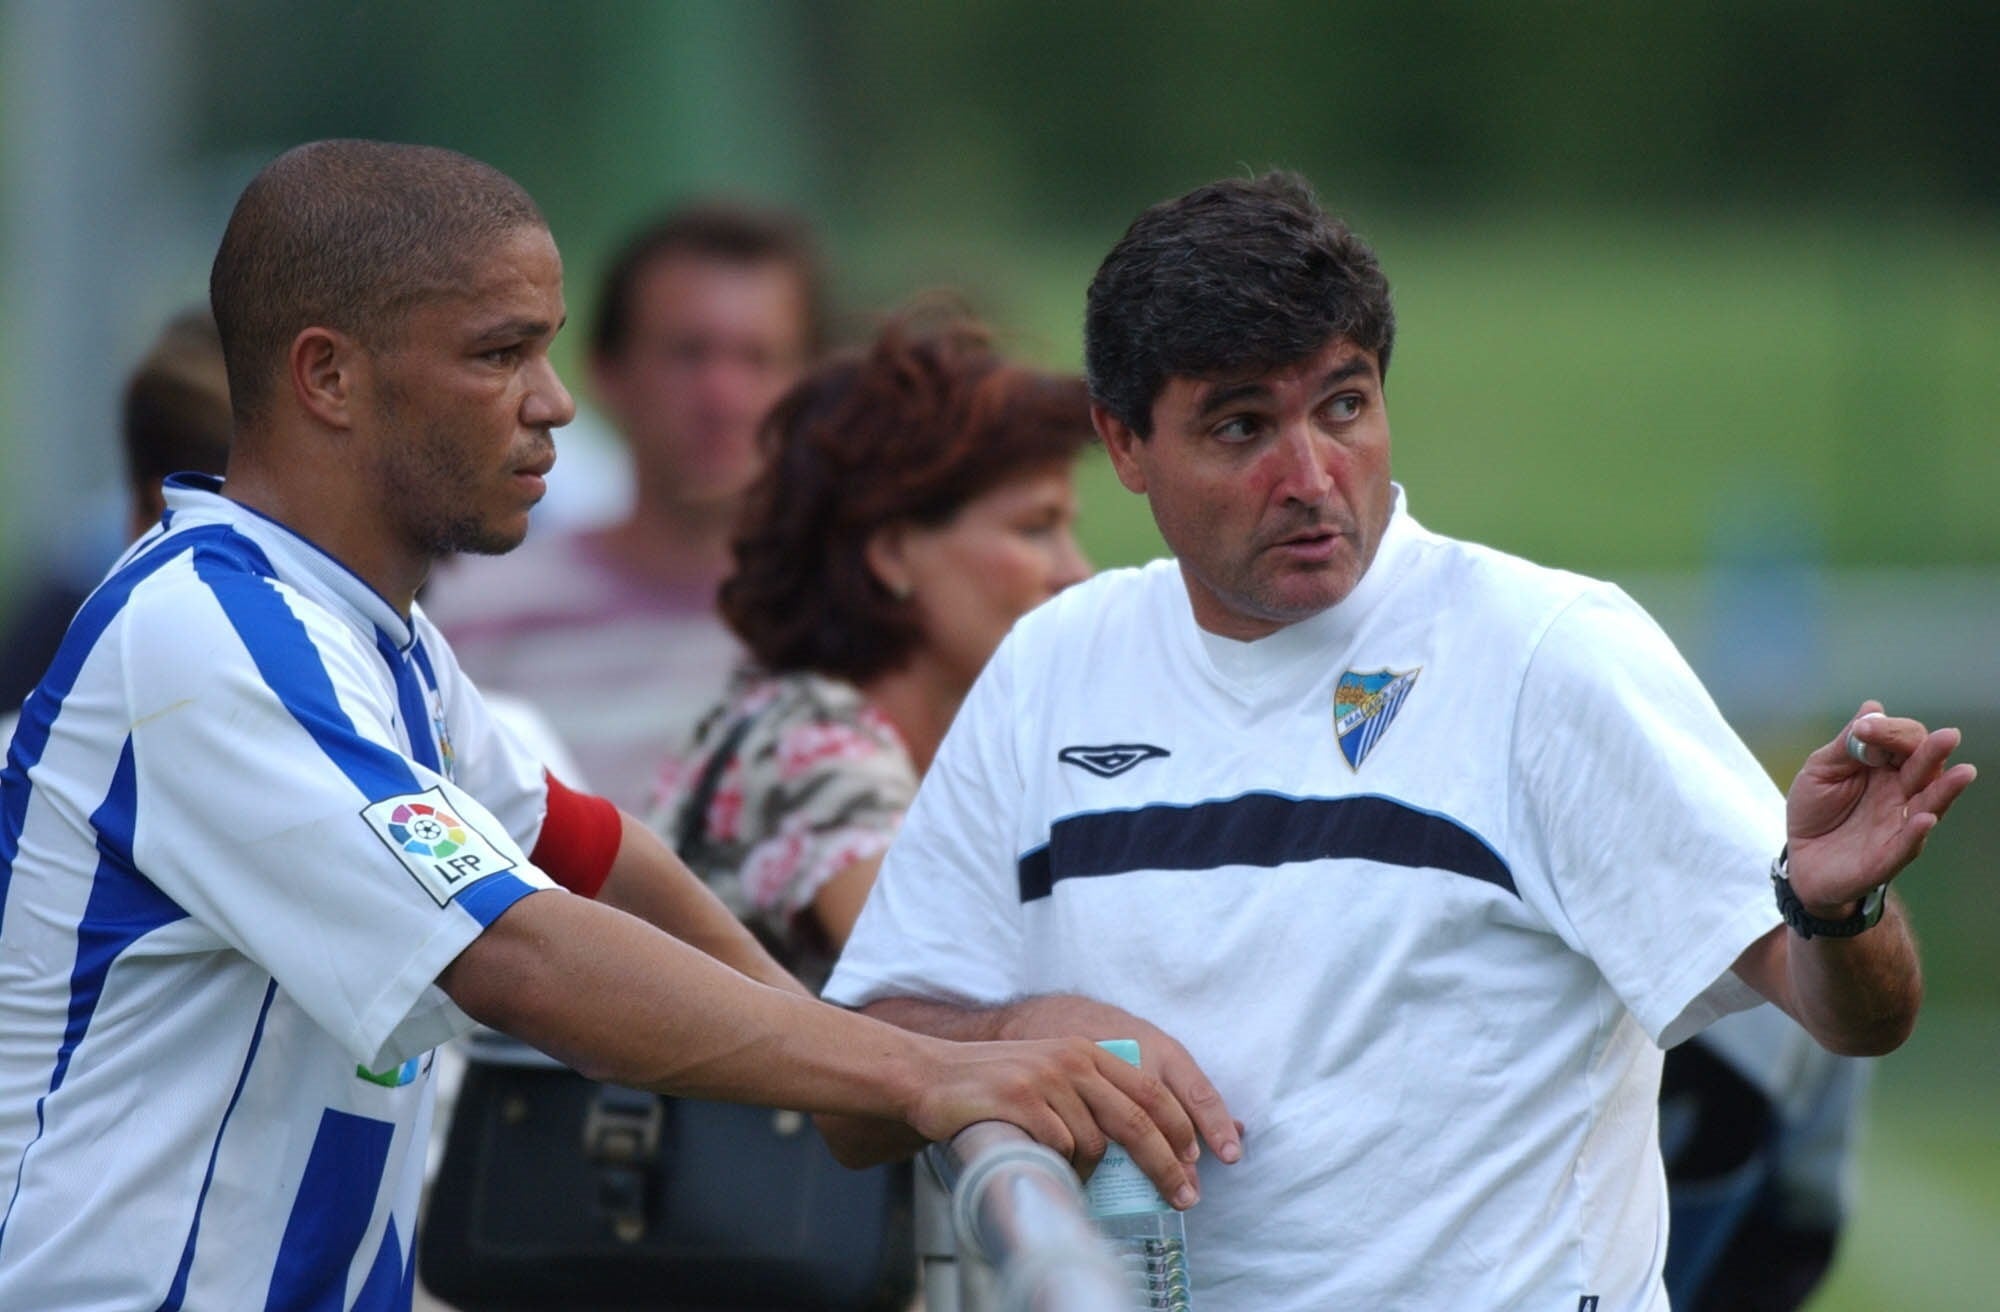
x: 580, y: 838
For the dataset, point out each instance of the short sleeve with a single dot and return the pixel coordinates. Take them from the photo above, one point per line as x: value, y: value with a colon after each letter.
x: 798, y: 777
x: 1656, y: 825
x: 820, y: 793
x: 943, y: 920
x: 273, y: 803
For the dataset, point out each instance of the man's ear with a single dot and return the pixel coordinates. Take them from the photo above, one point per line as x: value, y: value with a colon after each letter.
x: 324, y: 368
x: 1123, y: 445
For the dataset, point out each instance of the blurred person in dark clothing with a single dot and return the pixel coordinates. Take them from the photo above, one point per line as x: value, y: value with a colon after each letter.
x: 175, y: 417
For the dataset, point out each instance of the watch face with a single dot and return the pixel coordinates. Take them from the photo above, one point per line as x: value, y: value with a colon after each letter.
x: 1871, y: 906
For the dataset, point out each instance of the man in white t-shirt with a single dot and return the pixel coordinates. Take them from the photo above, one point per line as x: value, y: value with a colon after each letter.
x: 263, y: 847
x: 1422, y: 851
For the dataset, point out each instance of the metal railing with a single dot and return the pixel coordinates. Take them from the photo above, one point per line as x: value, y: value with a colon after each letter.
x: 1001, y: 1227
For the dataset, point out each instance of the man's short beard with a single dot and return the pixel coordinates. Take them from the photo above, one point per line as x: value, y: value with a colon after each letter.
x: 466, y: 536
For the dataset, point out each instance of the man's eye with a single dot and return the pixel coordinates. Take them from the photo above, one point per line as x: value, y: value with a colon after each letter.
x: 500, y: 354
x: 1240, y: 429
x: 1345, y: 406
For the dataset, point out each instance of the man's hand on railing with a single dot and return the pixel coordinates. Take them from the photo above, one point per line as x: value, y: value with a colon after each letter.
x: 1055, y: 1014
x: 1069, y: 1094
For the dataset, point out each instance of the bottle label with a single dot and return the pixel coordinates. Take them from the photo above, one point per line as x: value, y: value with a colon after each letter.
x: 1119, y: 1188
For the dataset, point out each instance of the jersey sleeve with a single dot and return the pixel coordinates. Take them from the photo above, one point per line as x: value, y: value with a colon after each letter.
x: 273, y: 802
x: 943, y: 921
x: 1656, y: 825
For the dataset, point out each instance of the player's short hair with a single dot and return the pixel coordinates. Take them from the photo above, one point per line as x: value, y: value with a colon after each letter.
x: 714, y: 231
x: 1238, y: 277
x: 176, y: 410
x: 927, y: 419
x: 348, y: 235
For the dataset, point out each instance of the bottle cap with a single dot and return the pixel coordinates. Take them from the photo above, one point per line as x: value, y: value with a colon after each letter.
x: 1125, y: 1050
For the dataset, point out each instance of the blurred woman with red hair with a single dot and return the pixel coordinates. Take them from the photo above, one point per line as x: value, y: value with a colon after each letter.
x: 917, y: 500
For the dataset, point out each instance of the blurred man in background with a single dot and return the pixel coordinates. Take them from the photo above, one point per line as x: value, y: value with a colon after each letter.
x: 704, y: 318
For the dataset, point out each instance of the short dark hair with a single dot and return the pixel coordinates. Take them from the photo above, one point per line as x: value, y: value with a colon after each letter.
x: 176, y: 412
x: 1243, y: 275
x: 347, y: 235
x: 909, y: 432
x: 716, y: 231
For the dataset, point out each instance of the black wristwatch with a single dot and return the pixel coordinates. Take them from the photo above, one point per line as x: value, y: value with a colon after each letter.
x: 1807, y: 926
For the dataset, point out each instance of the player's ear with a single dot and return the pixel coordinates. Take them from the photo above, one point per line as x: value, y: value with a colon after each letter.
x: 1122, y: 444
x: 324, y: 369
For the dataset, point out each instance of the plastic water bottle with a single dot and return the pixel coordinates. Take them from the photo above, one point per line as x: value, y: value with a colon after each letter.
x: 1148, y: 1234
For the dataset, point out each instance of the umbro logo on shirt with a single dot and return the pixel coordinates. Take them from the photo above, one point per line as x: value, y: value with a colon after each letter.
x: 1112, y: 761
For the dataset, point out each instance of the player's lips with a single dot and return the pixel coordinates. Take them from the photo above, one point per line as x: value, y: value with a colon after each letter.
x: 534, y: 471
x: 532, y: 478
x: 1311, y: 546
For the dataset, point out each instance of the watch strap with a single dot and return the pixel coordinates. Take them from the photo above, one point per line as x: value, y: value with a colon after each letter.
x: 1807, y: 925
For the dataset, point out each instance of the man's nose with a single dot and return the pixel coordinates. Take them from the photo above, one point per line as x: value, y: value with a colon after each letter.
x: 549, y: 404
x: 1305, y: 474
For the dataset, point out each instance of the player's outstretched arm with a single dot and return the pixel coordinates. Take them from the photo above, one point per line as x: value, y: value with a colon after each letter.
x: 620, y: 1001
x: 1856, y: 816
x: 1057, y: 1015
x: 649, y: 881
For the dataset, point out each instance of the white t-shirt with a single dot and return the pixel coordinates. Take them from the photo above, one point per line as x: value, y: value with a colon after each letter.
x: 238, y: 843
x: 1422, y: 882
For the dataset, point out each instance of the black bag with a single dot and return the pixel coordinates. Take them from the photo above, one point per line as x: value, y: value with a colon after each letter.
x: 559, y: 1192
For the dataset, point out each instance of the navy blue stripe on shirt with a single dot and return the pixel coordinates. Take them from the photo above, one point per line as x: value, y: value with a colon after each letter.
x: 44, y: 704
x: 1257, y: 829
x: 123, y: 907
x: 389, y: 1284
x: 423, y: 659
x: 410, y: 702
x: 177, y: 1292
x: 291, y: 667
x: 330, y: 1213
x: 486, y: 899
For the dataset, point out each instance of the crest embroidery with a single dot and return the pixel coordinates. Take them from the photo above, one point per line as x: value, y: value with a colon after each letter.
x: 1364, y: 706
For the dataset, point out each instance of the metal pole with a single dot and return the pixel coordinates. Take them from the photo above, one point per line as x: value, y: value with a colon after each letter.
x: 1017, y: 1211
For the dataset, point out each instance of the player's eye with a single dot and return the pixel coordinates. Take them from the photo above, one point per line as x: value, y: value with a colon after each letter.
x: 1344, y: 407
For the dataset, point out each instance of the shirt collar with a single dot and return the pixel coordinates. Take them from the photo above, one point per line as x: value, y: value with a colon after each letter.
x: 197, y: 499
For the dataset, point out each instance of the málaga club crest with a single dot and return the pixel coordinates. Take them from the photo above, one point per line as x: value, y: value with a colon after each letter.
x: 1364, y: 706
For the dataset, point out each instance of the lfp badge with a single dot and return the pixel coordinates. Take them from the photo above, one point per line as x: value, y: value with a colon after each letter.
x: 442, y: 849
x: 1364, y: 706
x: 426, y: 830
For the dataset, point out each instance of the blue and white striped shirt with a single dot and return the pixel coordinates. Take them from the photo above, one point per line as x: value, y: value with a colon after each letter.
x: 238, y: 843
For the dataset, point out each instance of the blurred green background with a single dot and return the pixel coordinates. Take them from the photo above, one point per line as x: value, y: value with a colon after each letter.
x: 1704, y: 298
